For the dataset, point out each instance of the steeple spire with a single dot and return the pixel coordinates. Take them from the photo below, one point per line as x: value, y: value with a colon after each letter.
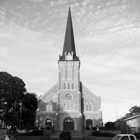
x: 69, y: 44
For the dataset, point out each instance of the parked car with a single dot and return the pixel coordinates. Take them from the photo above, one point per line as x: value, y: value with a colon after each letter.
x: 124, y: 137
x: 7, y: 137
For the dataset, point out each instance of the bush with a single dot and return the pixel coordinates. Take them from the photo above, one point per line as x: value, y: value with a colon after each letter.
x: 95, y: 128
x: 101, y: 134
x: 65, y: 135
x: 36, y: 133
x: 137, y: 135
x: 48, y: 128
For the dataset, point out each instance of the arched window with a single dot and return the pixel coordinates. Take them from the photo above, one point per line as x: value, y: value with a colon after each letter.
x: 51, y: 107
x: 47, y: 107
x: 72, y: 86
x: 68, y: 106
x: 64, y: 106
x: 72, y: 106
x: 64, y: 85
x: 68, y: 74
x: 68, y: 86
x: 88, y: 107
x: 61, y: 73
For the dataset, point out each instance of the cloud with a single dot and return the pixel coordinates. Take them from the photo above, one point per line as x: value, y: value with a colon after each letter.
x: 112, y: 63
x: 37, y: 1
x: 106, y: 37
x: 103, y: 19
x: 28, y: 55
x: 2, y: 14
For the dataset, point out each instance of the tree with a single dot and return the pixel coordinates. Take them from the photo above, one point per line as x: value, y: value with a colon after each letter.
x: 134, y: 110
x: 14, y: 99
x: 12, y: 90
x: 29, y: 110
x: 110, y: 125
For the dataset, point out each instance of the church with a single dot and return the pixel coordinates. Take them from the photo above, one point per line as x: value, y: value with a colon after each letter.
x: 69, y: 105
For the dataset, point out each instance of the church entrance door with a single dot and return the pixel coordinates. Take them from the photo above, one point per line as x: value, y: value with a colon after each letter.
x: 68, y: 124
x: 89, y: 123
x: 48, y: 123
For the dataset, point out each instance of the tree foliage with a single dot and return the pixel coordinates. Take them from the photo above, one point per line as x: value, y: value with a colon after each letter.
x: 16, y: 105
x: 29, y: 110
x: 110, y: 126
x: 133, y: 111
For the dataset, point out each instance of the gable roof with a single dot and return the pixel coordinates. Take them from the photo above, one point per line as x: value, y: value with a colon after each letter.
x: 85, y: 90
x: 132, y: 117
x: 52, y: 90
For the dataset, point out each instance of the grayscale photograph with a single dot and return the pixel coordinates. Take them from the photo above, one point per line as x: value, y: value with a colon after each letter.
x: 69, y: 69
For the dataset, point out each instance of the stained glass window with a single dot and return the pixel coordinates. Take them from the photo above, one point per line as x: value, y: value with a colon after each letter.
x: 68, y: 86
x: 72, y: 86
x: 64, y: 86
x: 88, y: 107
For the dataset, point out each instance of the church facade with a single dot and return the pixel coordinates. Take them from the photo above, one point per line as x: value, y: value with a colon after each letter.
x: 69, y: 105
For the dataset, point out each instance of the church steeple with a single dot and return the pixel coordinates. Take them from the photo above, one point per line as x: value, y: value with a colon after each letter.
x: 69, y: 51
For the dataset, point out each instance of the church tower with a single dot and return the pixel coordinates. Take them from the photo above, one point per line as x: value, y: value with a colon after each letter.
x: 69, y: 81
x: 69, y: 105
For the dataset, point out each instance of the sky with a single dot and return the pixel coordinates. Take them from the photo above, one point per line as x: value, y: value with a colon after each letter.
x: 107, y: 40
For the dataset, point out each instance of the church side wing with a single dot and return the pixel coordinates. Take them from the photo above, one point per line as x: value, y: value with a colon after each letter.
x: 49, y: 98
x: 91, y: 105
x: 89, y: 96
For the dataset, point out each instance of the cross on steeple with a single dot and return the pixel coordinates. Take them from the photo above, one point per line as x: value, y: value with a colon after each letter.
x: 70, y: 2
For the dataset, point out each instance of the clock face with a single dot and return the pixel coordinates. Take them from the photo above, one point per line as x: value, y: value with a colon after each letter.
x: 69, y: 57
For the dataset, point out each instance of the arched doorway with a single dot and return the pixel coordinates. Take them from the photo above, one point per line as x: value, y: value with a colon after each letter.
x: 68, y: 124
x: 89, y: 123
x: 48, y: 123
